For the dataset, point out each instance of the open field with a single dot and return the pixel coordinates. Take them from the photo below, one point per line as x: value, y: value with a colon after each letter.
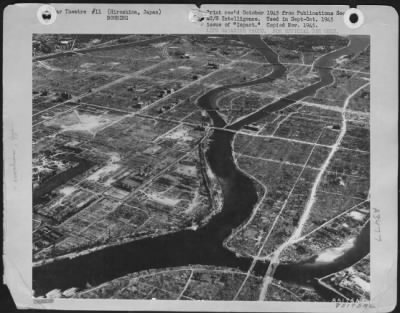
x: 124, y: 151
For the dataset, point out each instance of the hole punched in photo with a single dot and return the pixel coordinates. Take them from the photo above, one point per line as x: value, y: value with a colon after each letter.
x: 353, y: 18
x: 46, y: 15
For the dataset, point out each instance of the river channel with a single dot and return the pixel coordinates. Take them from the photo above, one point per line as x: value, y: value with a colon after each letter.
x: 204, y: 246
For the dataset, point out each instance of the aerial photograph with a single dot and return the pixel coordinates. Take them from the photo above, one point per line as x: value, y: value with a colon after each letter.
x: 201, y: 167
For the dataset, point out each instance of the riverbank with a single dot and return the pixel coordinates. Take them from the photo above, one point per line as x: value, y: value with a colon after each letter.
x: 202, y: 246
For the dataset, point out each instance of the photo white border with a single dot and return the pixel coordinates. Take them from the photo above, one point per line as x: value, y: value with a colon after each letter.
x: 20, y: 22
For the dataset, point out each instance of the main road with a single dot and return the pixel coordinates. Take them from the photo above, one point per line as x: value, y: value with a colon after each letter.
x: 203, y: 246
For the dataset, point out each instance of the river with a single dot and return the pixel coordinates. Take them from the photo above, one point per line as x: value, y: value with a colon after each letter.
x: 204, y: 246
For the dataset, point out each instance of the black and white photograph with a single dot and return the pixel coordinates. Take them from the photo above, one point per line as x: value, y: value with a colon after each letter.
x: 201, y: 167
x: 225, y: 158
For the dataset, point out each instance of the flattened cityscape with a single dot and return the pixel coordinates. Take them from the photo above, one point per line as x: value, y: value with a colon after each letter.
x: 201, y: 167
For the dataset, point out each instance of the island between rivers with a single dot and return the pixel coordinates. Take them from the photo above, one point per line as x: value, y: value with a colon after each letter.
x: 204, y: 246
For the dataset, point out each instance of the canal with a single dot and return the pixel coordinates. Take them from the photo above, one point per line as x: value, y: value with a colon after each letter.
x: 204, y: 246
